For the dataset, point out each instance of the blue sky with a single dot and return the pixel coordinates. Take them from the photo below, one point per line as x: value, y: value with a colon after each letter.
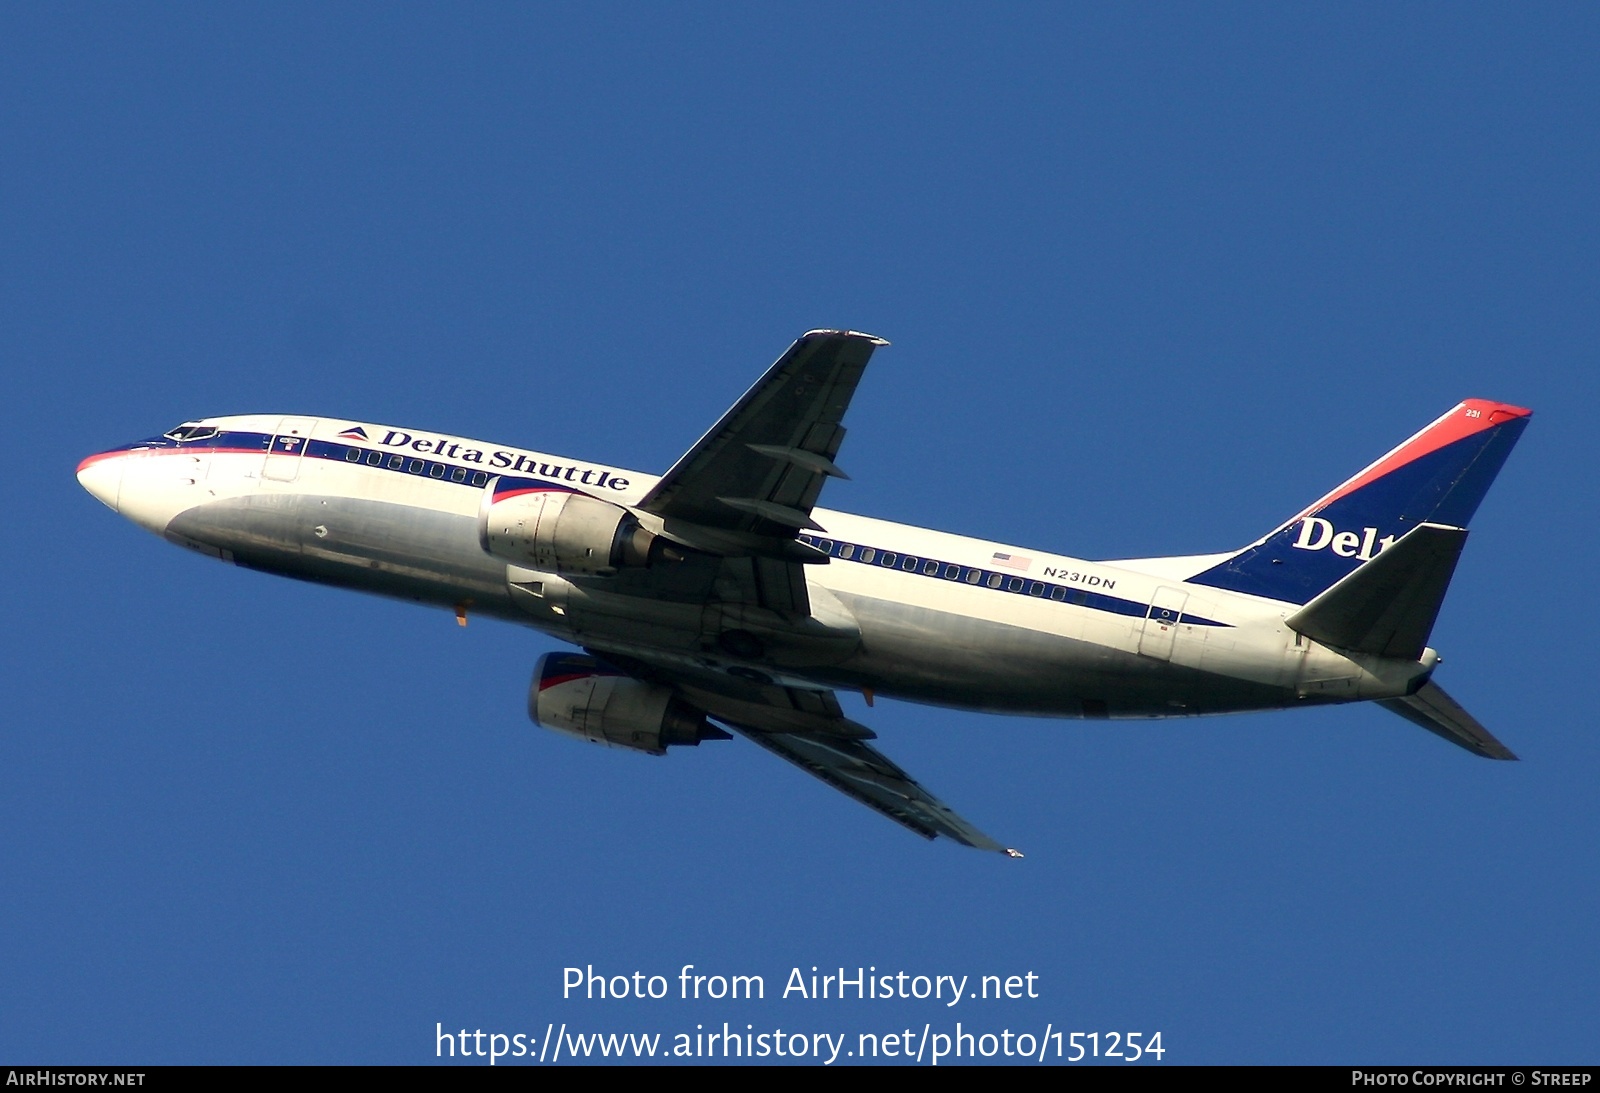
x: 1156, y: 276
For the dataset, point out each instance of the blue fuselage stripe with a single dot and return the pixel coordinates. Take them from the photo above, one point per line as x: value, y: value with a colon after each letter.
x: 1003, y: 581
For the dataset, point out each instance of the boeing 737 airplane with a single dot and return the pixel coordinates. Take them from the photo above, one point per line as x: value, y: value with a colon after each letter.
x: 719, y: 597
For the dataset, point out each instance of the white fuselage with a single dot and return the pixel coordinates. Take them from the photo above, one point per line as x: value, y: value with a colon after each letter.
x: 898, y: 611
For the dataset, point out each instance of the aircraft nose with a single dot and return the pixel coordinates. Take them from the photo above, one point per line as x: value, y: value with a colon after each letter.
x: 101, y: 475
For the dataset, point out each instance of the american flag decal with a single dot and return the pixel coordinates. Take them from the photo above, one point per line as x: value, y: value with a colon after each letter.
x: 1013, y: 561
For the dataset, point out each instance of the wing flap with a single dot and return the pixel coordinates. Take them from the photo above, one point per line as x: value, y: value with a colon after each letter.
x: 782, y: 710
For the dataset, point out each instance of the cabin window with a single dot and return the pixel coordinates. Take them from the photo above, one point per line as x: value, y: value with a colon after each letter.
x: 352, y: 455
x: 974, y: 576
x: 1014, y: 584
x: 887, y: 559
x: 930, y: 569
x: 994, y: 580
x: 396, y: 462
x: 846, y: 551
x: 952, y: 572
x: 1058, y: 593
x: 867, y: 554
x: 458, y: 475
x: 908, y: 563
x: 480, y: 478
x: 416, y: 466
x: 826, y: 546
x: 1036, y: 589
x: 436, y: 470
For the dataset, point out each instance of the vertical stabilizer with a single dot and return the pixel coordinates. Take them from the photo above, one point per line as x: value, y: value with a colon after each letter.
x: 1438, y: 476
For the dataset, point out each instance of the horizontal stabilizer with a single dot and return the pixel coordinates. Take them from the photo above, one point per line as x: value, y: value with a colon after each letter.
x: 1437, y: 712
x: 1388, y: 606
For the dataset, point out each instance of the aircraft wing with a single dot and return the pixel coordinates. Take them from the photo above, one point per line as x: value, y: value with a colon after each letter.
x: 809, y: 728
x: 754, y: 477
x: 741, y: 494
x: 865, y: 773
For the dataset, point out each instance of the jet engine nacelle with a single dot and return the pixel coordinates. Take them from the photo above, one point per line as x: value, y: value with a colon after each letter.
x: 539, y: 525
x: 587, y: 698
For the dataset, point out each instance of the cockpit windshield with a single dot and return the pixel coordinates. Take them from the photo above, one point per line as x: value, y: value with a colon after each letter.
x: 190, y: 430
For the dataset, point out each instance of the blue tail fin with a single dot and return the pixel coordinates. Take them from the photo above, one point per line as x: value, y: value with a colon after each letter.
x: 1438, y: 476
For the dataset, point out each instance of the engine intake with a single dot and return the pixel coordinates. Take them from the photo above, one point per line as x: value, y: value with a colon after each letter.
x: 588, y: 698
x: 540, y: 525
